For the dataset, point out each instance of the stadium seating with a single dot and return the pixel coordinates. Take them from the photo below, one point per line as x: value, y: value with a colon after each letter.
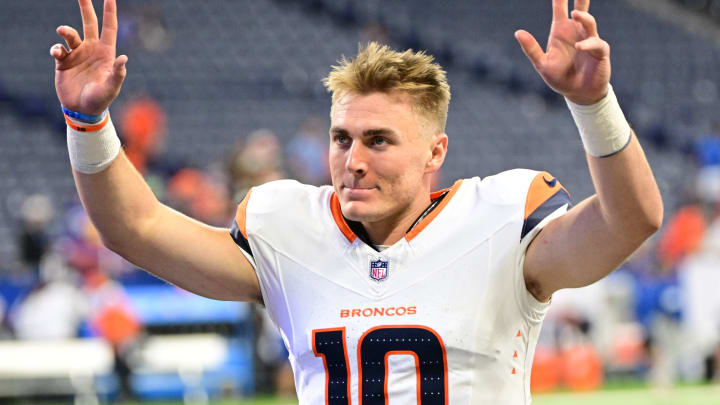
x: 228, y: 68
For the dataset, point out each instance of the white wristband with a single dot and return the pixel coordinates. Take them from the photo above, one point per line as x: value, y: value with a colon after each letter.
x: 91, y: 151
x: 603, y: 127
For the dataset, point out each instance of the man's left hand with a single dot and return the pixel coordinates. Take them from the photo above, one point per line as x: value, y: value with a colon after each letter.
x: 577, y: 61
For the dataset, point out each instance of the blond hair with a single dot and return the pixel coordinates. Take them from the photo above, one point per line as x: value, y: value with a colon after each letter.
x: 377, y: 68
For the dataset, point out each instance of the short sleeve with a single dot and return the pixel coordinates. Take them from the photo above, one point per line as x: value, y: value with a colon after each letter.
x: 546, y: 200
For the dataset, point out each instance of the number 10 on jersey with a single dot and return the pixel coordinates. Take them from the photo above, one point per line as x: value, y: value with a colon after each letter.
x: 374, y: 348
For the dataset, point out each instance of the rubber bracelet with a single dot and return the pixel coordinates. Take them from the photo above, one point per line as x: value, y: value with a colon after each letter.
x: 87, y: 128
x: 603, y: 127
x: 84, y: 117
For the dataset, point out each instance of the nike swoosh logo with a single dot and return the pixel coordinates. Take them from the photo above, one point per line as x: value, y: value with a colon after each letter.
x: 550, y: 183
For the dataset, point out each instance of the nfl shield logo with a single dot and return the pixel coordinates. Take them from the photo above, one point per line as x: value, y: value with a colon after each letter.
x: 379, y: 269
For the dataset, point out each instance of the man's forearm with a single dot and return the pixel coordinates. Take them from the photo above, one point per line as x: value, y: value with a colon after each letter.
x: 118, y: 201
x: 630, y: 201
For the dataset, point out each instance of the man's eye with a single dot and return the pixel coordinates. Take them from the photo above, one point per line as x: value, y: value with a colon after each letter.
x: 379, y: 141
x: 342, y: 139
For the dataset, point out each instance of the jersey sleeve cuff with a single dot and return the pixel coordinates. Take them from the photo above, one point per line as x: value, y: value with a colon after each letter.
x: 242, y: 242
x: 533, y: 309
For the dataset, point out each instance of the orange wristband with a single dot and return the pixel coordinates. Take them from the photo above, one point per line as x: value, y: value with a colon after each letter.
x: 88, y: 128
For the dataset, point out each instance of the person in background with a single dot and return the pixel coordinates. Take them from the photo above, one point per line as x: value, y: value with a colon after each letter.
x: 36, y: 214
x: 55, y: 308
x: 143, y: 123
x: 307, y: 153
x: 254, y: 160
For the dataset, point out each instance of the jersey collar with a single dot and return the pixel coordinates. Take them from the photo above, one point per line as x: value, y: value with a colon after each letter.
x: 414, y: 231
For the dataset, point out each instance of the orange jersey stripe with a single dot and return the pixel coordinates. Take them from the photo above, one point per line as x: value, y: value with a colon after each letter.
x: 340, y: 220
x: 350, y: 235
x: 434, y: 213
x: 543, y: 186
x: 241, y: 214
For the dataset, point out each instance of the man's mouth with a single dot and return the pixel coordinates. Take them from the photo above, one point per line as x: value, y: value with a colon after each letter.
x: 357, y: 188
x: 357, y: 191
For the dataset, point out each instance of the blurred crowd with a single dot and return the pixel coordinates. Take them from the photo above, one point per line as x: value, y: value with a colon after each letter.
x: 72, y: 286
x: 657, y: 318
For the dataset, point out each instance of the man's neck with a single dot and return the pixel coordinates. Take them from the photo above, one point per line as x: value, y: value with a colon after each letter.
x: 391, y: 230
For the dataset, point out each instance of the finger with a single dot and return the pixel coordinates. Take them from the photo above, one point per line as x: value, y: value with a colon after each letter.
x: 59, y: 52
x: 595, y: 47
x: 530, y: 47
x: 89, y: 19
x: 587, y: 21
x: 110, y: 23
x: 582, y: 5
x: 70, y: 35
x: 119, y: 71
x: 560, y: 9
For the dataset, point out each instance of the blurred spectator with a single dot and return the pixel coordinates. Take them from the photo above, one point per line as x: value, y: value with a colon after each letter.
x: 706, y: 151
x: 699, y: 281
x: 110, y: 311
x: 271, y: 351
x: 127, y: 28
x: 152, y: 30
x: 111, y: 317
x: 307, y: 153
x: 682, y: 235
x: 707, y: 148
x: 627, y: 338
x: 195, y: 194
x: 143, y: 129
x: 143, y: 26
x: 36, y: 213
x: 255, y: 161
x: 375, y: 31
x: 55, y: 308
x: 658, y: 308
x: 82, y: 248
x: 707, y: 186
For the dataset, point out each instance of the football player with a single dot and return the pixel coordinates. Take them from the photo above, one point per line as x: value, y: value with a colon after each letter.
x: 382, y: 289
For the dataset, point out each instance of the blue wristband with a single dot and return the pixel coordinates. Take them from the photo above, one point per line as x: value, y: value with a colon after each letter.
x: 91, y: 119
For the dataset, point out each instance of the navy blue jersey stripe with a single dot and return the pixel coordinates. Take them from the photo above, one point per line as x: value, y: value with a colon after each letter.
x: 560, y: 198
x: 239, y: 238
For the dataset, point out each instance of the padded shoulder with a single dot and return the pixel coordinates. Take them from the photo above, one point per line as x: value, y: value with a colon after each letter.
x: 275, y: 205
x: 538, y: 194
x: 508, y: 187
x: 280, y: 195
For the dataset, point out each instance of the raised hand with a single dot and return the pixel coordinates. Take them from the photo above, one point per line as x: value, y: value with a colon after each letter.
x: 577, y: 61
x: 88, y: 76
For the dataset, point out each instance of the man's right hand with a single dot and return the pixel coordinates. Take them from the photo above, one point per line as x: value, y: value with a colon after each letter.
x: 88, y: 76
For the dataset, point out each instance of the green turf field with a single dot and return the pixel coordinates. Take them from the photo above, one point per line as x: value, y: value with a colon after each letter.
x: 679, y: 396
x: 705, y: 395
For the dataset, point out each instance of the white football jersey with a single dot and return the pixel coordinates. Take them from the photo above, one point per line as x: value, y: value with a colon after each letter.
x: 440, y: 317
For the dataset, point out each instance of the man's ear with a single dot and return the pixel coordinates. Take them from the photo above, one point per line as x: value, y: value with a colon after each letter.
x: 438, y: 150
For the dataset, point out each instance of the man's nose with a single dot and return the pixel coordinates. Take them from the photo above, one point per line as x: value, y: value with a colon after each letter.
x: 357, y: 158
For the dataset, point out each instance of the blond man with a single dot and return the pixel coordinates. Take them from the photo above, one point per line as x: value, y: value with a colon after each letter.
x: 382, y: 289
